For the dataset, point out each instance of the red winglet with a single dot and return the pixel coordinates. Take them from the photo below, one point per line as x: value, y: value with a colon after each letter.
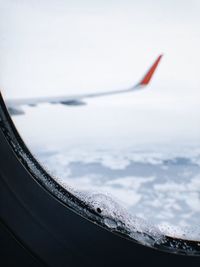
x: 145, y: 81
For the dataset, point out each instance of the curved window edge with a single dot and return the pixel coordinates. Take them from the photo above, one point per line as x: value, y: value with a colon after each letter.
x: 41, y: 176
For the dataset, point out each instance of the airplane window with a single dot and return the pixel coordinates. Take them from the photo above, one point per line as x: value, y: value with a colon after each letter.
x: 110, y: 117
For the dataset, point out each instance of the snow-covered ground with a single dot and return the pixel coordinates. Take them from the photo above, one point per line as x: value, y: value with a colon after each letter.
x: 151, y: 169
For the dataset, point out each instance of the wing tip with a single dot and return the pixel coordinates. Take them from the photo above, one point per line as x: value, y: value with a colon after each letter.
x: 147, y: 78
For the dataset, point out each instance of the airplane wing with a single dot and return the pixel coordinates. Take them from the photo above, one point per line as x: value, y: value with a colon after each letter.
x: 14, y: 105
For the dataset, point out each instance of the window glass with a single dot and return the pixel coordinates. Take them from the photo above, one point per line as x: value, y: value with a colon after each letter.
x: 137, y: 152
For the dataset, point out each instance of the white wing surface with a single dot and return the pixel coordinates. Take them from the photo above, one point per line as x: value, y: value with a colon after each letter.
x: 14, y: 105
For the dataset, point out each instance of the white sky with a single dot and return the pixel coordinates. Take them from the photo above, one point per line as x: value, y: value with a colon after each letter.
x: 71, y: 47
x: 66, y: 47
